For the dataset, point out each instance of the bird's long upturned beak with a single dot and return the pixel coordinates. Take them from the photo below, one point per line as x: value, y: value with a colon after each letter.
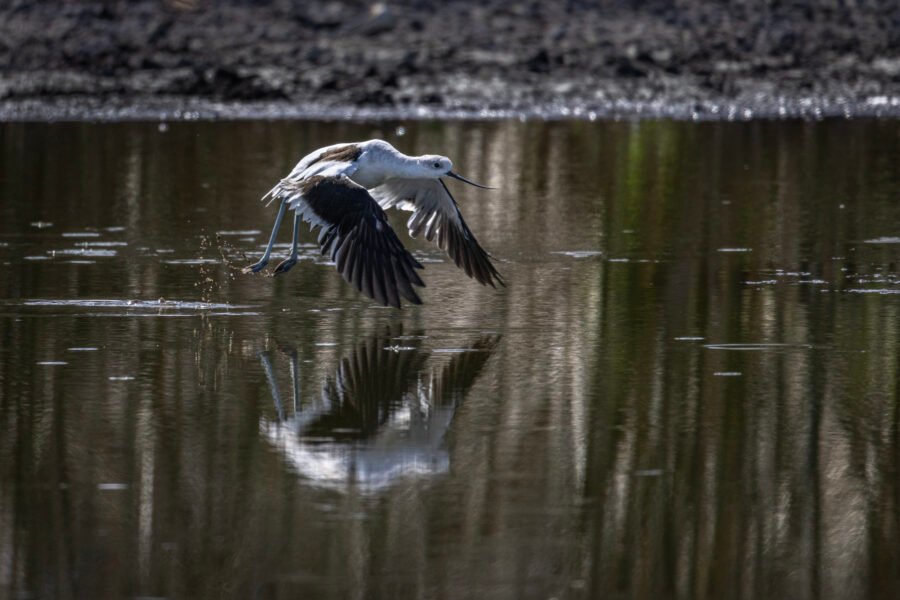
x: 464, y: 180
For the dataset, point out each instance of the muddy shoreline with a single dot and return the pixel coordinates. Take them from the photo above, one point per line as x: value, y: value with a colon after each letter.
x: 199, y: 109
x: 195, y: 59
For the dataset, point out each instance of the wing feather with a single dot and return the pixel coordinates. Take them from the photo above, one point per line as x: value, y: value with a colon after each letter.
x: 436, y: 215
x: 356, y: 236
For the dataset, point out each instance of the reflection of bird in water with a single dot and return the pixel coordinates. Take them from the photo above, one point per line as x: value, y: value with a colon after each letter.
x: 381, y: 416
x: 343, y: 190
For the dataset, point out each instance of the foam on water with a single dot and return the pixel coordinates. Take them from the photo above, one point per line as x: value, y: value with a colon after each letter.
x: 80, y: 234
x: 882, y: 291
x: 191, y: 261
x: 98, y: 252
x: 757, y: 347
x: 112, y: 487
x: 134, y: 304
x: 454, y: 350
x: 239, y: 232
x: 579, y: 253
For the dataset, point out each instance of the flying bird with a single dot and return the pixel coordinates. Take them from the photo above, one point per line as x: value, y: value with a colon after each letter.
x: 344, y: 190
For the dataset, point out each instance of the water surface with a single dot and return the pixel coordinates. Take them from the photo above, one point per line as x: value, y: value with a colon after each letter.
x: 689, y: 388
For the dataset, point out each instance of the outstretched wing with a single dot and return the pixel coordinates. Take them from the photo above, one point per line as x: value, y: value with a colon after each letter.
x: 356, y: 235
x: 436, y: 213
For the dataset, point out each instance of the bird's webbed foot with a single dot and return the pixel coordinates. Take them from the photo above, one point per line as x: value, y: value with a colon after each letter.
x: 256, y: 267
x: 285, y: 265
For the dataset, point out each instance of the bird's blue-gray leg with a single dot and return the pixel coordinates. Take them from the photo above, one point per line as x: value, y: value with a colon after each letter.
x: 291, y: 260
x: 295, y: 380
x: 273, y: 383
x: 259, y: 266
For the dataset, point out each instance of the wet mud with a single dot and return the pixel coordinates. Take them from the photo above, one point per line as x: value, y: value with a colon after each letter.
x: 184, y: 58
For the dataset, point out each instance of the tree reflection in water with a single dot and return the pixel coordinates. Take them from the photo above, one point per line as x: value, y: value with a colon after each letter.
x: 600, y: 452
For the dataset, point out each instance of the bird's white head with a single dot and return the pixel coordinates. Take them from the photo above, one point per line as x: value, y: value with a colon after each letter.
x: 432, y: 166
x: 435, y: 166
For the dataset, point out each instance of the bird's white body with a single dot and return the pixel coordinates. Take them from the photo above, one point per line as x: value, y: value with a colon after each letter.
x: 378, y: 161
x: 344, y: 188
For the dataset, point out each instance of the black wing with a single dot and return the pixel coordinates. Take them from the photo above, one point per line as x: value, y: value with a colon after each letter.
x: 356, y: 235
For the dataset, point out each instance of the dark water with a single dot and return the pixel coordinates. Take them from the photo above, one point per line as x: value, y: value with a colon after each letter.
x: 688, y: 390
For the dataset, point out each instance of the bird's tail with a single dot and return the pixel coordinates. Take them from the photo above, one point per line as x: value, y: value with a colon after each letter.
x: 283, y: 190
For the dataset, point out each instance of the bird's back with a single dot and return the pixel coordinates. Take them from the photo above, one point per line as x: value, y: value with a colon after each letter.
x: 344, y: 152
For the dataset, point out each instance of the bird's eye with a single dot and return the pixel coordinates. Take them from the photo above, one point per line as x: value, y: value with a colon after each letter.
x: 437, y: 165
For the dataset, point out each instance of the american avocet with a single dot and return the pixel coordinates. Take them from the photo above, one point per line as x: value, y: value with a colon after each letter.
x: 344, y: 189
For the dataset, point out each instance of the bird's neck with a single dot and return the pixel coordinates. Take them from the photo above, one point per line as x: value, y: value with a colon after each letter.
x: 399, y: 167
x: 408, y: 168
x: 381, y: 163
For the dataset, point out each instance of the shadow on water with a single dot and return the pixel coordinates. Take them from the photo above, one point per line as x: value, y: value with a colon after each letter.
x: 382, y: 416
x: 689, y: 389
